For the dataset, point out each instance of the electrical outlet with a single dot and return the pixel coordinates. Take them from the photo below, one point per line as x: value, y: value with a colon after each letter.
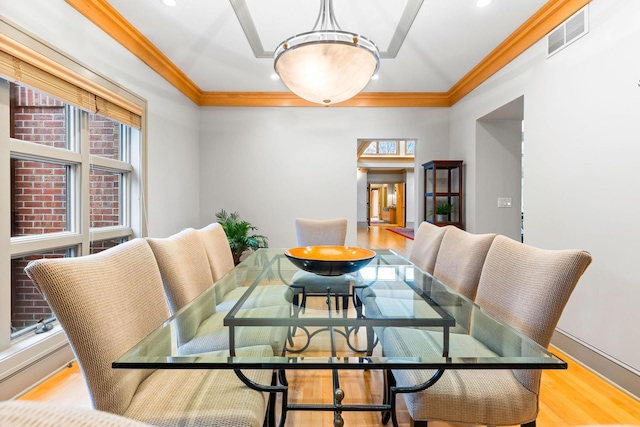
x: 504, y: 202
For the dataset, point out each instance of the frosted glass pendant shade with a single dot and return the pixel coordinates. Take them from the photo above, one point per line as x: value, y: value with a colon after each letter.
x: 326, y: 66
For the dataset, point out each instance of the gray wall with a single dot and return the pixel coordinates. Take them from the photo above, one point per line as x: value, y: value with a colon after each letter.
x: 582, y: 168
x: 275, y: 164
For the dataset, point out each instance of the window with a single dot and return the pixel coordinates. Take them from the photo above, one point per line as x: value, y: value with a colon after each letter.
x: 410, y: 147
x: 48, y: 137
x: 387, y: 150
x: 382, y: 147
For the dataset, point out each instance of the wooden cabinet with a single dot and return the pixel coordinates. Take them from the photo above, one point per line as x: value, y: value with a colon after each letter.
x: 389, y: 215
x: 443, y: 195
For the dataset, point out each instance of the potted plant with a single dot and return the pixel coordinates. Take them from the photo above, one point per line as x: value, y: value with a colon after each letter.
x: 443, y: 209
x: 237, y: 232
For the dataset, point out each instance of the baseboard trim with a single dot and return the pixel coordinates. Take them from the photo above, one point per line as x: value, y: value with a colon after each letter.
x: 32, y: 359
x: 600, y: 364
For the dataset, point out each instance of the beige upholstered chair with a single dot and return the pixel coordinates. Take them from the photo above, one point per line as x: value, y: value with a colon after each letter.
x: 230, y: 290
x: 424, y: 253
x: 426, y: 244
x: 218, y: 250
x: 313, y: 232
x: 460, y: 260
x: 320, y: 232
x: 526, y: 288
x: 19, y: 413
x: 109, y: 301
x: 184, y: 267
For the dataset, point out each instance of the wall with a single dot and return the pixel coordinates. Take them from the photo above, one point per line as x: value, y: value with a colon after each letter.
x: 275, y: 164
x: 362, y: 198
x: 171, y: 123
x: 582, y: 168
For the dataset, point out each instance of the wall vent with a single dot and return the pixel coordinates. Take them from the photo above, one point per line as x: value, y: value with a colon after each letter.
x: 568, y: 32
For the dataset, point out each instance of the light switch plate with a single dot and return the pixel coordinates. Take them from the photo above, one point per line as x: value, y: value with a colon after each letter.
x: 504, y: 202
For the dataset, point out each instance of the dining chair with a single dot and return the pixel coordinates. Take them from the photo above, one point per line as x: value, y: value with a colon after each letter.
x: 184, y: 267
x: 22, y: 413
x: 220, y: 260
x: 320, y: 232
x: 526, y: 288
x: 106, y: 303
x: 460, y: 259
x: 423, y: 254
x: 426, y: 244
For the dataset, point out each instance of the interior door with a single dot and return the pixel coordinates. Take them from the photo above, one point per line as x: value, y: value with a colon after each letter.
x: 368, y: 204
x: 400, y: 205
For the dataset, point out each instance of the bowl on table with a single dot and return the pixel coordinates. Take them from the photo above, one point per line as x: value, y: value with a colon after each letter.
x: 330, y: 260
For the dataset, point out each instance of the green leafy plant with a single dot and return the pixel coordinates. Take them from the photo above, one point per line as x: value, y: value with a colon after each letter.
x: 443, y: 208
x: 238, y: 234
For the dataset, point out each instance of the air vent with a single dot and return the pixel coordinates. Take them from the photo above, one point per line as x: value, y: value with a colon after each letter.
x: 568, y: 32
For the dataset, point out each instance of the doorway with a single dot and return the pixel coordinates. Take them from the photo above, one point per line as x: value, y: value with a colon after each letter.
x: 386, y: 182
x: 387, y: 204
x: 500, y: 142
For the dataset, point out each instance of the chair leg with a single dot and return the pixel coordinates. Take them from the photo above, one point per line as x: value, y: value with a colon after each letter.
x: 303, y: 303
x: 415, y: 423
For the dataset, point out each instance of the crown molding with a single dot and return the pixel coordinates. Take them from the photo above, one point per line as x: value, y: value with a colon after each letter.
x: 104, y: 16
x: 552, y: 14
x: 288, y: 99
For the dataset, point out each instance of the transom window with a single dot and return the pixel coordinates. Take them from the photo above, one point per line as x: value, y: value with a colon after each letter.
x: 387, y: 148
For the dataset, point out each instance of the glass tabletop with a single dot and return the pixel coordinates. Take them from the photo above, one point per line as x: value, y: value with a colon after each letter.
x: 252, y: 318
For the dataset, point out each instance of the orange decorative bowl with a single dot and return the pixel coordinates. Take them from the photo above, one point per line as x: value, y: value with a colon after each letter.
x: 330, y: 260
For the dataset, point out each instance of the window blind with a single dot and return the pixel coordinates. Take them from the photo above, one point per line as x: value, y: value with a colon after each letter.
x: 18, y: 65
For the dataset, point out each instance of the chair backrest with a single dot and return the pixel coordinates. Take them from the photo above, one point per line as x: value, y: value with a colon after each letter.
x: 218, y: 251
x: 21, y: 413
x: 311, y: 232
x: 426, y: 244
x: 184, y: 266
x: 528, y: 288
x: 106, y: 303
x: 460, y: 260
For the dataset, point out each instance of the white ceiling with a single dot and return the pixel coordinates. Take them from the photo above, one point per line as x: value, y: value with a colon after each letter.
x: 204, y: 38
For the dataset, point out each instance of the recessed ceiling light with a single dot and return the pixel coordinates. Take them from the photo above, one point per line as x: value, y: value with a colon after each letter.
x: 275, y: 76
x: 375, y: 77
x: 483, y: 3
x: 170, y: 3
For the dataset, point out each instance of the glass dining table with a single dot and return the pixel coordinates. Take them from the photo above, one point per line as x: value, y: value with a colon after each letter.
x: 389, y: 292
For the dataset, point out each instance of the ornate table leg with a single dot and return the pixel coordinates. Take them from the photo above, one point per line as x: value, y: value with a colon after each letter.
x: 338, y: 395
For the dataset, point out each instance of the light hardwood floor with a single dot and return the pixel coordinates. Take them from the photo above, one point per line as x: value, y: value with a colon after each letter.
x: 571, y: 398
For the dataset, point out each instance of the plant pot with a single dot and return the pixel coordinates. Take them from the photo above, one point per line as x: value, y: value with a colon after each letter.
x: 441, y: 218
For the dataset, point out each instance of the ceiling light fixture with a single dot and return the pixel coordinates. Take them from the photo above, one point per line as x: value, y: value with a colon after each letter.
x: 326, y: 65
x: 483, y: 3
x: 170, y: 3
